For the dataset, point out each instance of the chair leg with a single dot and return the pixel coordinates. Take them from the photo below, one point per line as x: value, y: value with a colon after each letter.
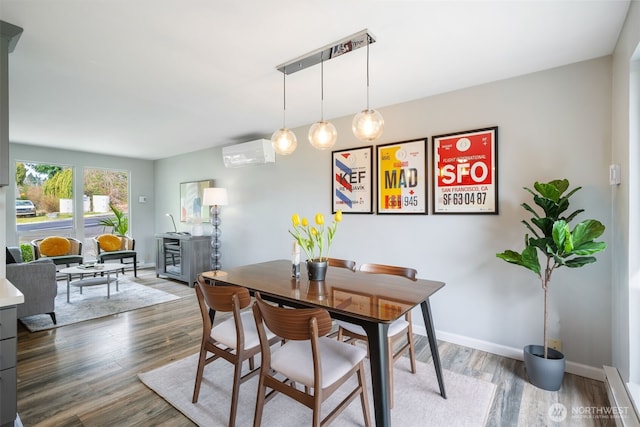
x: 53, y: 317
x: 135, y: 266
x: 364, y: 400
x: 257, y: 417
x: 199, y: 373
x: 412, y: 350
x: 234, y: 393
x: 317, y: 420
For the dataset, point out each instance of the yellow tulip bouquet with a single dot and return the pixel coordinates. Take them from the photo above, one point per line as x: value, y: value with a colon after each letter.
x: 315, y: 241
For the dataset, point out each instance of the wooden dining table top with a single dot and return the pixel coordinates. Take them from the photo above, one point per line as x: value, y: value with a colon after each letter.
x: 379, y: 297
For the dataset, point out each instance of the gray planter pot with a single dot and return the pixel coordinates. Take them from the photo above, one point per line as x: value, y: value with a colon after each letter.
x: 546, y: 374
x: 317, y: 270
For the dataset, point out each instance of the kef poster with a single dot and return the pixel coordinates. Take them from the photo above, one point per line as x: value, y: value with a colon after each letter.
x: 352, y: 189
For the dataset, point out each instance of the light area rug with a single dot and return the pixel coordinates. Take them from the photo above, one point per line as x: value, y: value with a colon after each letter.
x: 417, y: 397
x: 93, y: 303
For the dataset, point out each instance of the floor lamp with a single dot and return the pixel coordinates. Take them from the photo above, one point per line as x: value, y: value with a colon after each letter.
x: 215, y: 197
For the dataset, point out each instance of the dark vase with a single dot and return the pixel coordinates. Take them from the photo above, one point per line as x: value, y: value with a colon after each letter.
x: 546, y: 374
x: 317, y: 270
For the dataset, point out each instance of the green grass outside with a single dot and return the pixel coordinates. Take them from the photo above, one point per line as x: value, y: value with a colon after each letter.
x: 43, y: 218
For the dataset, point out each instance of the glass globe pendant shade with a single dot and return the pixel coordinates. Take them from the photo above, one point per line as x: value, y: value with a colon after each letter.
x: 323, y: 135
x: 368, y: 125
x: 284, y: 141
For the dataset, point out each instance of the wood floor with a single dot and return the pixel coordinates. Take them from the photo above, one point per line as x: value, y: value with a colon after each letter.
x: 86, y: 374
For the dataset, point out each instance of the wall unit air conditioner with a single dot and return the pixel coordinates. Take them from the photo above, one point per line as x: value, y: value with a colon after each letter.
x: 258, y: 152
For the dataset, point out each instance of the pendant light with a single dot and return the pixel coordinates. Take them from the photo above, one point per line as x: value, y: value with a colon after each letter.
x: 283, y: 140
x: 368, y: 124
x: 322, y: 134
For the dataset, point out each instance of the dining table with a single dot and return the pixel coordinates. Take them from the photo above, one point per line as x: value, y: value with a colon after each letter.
x: 372, y: 301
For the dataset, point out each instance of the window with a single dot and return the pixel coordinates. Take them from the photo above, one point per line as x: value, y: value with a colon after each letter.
x: 104, y: 189
x: 44, y: 200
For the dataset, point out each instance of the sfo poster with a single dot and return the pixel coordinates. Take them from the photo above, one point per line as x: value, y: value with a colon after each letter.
x: 465, y: 172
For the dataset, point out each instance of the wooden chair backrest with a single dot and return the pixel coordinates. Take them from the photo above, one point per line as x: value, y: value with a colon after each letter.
x: 343, y: 263
x: 221, y: 298
x: 407, y: 272
x: 292, y: 323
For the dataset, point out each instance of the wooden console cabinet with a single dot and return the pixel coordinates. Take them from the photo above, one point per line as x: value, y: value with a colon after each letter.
x: 182, y: 256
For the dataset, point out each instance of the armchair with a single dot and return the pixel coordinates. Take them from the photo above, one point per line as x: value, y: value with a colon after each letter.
x: 37, y: 281
x: 61, y: 250
x: 115, y: 246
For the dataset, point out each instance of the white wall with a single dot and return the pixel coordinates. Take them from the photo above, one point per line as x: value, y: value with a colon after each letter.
x: 552, y: 124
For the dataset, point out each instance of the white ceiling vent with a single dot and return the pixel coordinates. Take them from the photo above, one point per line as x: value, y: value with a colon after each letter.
x: 258, y: 152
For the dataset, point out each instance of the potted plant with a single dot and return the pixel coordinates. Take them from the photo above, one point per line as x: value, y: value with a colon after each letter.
x: 119, y: 224
x: 315, y: 242
x: 558, y: 245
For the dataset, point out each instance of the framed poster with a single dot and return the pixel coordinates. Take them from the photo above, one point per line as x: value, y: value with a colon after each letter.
x: 402, y: 177
x: 191, y: 194
x: 465, y: 172
x: 351, y: 189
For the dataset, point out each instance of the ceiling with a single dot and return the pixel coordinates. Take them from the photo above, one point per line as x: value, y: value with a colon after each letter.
x: 154, y: 78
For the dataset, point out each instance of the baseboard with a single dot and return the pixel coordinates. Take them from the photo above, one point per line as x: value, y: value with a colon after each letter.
x: 511, y: 352
x: 621, y: 399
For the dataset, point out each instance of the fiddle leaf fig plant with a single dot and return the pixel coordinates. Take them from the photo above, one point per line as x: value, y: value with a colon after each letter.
x: 552, y: 238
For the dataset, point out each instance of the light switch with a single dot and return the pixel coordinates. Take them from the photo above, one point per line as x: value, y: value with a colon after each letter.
x: 614, y: 174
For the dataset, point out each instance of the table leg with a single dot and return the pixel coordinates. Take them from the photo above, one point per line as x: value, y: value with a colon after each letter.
x: 379, y: 361
x: 109, y: 284
x: 68, y: 285
x: 431, y: 335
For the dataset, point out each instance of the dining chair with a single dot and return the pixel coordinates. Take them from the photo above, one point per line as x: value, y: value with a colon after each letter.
x: 400, y: 328
x: 234, y: 339
x: 320, y: 364
x: 342, y: 263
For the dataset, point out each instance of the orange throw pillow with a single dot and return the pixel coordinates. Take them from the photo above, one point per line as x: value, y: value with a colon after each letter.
x: 109, y: 242
x: 55, y: 246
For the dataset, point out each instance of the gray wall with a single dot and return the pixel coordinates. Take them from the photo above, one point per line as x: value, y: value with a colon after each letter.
x: 552, y: 124
x: 626, y: 200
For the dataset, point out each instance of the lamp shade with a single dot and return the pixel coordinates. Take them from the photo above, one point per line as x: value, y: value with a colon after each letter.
x: 215, y: 197
x: 368, y: 125
x: 323, y: 135
x: 284, y: 141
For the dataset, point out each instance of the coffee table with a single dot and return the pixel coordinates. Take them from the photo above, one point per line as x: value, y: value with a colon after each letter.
x: 105, y: 270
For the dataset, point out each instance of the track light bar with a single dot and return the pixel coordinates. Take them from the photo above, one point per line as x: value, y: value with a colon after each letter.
x: 330, y: 51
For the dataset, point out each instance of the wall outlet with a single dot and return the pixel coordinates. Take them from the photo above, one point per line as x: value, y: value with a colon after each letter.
x: 555, y: 344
